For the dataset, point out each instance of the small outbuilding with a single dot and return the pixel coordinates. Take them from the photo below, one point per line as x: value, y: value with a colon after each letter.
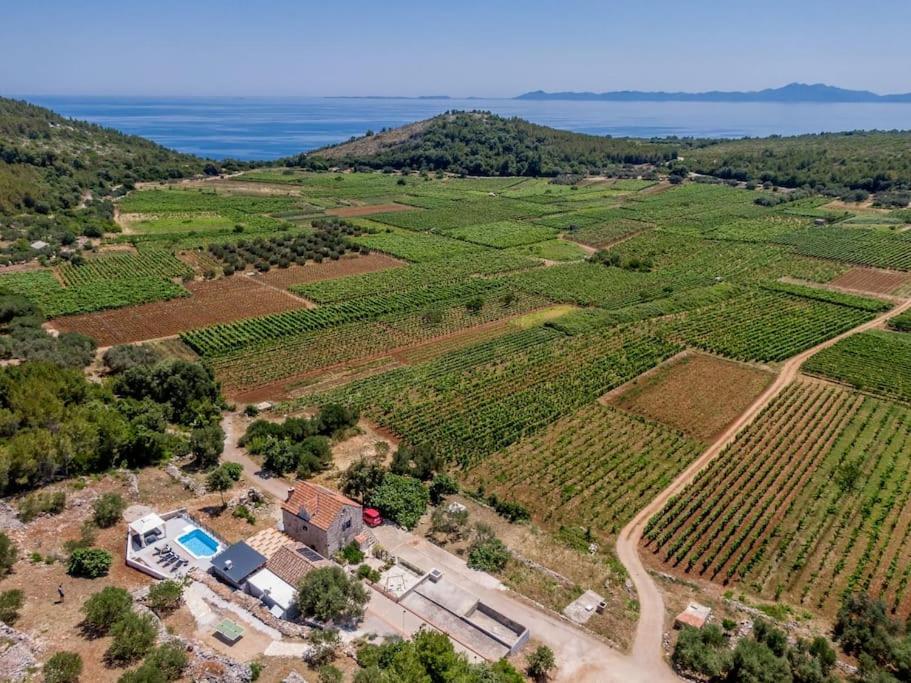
x: 695, y: 615
x: 277, y: 595
x: 38, y: 245
x: 237, y: 563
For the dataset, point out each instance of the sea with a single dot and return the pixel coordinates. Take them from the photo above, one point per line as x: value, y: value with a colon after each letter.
x: 260, y: 128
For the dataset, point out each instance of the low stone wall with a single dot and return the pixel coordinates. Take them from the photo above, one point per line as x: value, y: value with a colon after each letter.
x: 288, y: 629
x: 20, y: 658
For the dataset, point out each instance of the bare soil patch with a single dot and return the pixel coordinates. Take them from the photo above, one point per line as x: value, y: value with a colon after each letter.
x: 328, y: 270
x: 698, y: 394
x: 871, y: 280
x: 367, y: 210
x: 210, y: 302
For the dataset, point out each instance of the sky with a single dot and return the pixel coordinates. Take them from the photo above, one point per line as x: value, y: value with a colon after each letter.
x: 457, y: 48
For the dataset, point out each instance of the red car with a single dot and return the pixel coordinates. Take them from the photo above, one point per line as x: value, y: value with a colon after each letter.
x: 372, y: 517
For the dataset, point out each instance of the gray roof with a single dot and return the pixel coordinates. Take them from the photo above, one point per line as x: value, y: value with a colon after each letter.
x: 237, y: 562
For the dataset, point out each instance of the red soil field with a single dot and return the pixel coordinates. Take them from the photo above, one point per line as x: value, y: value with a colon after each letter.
x: 327, y: 270
x: 698, y: 394
x: 353, y: 211
x: 210, y: 302
x: 871, y: 280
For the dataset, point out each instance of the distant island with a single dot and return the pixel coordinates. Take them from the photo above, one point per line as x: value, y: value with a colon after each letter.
x: 793, y: 92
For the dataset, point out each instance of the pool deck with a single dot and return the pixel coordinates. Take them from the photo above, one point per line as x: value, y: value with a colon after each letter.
x: 150, y: 562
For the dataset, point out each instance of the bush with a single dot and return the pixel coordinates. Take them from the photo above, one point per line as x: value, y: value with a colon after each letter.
x: 234, y: 470
x: 121, y: 358
x: 207, y: 444
x: 487, y: 552
x: 41, y: 503
x: 103, y: 609
x: 89, y: 563
x: 703, y: 652
x: 165, y: 596
x: 134, y: 636
x: 243, y: 512
x: 442, y: 485
x: 10, y: 602
x: 450, y: 523
x: 401, y: 499
x: 365, y: 571
x: 108, y: 509
x: 8, y: 554
x: 541, y: 662
x: 164, y: 663
x: 351, y: 553
x: 330, y: 674
x: 329, y: 594
x: 63, y: 667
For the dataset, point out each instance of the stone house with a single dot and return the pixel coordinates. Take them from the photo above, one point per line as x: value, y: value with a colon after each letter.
x: 320, y: 518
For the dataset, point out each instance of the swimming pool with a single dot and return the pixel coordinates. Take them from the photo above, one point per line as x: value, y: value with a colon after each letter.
x: 198, y: 543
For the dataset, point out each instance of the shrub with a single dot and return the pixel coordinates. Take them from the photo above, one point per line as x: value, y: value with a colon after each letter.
x: 134, y: 635
x: 10, y: 602
x: 541, y: 662
x: 63, y: 667
x: 108, y: 509
x: 207, y: 444
x: 330, y: 674
x: 165, y: 596
x: 8, y: 554
x: 164, y: 663
x: 51, y: 503
x: 487, y: 552
x: 105, y: 608
x: 365, y: 571
x: 703, y: 652
x: 401, y: 499
x: 329, y: 594
x: 442, y: 485
x: 243, y: 512
x: 89, y: 563
x: 351, y: 553
x: 323, y: 646
x: 255, y: 670
x: 234, y: 470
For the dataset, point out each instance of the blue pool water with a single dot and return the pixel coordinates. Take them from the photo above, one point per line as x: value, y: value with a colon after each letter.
x: 199, y: 543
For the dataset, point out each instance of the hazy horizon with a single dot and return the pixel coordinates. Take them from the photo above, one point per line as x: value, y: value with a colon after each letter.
x: 406, y: 49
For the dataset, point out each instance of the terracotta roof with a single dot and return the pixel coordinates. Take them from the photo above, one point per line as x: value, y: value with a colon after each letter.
x: 320, y: 505
x: 290, y: 566
x: 694, y: 615
x: 268, y: 541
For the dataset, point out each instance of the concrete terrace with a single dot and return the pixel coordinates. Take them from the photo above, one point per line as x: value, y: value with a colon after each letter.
x: 148, y: 559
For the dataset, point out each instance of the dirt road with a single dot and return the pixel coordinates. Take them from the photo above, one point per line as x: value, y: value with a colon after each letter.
x: 647, y: 649
x: 234, y: 426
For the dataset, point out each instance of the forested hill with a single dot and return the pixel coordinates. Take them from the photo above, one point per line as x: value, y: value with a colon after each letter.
x: 48, y: 162
x: 479, y: 143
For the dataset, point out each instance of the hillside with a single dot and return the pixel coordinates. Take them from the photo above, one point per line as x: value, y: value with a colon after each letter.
x: 477, y: 143
x: 480, y: 143
x: 48, y: 162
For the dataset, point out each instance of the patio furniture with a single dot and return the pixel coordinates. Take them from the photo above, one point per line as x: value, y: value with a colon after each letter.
x: 228, y: 631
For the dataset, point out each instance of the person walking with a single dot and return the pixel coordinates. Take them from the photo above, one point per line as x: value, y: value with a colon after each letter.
x: 60, y: 592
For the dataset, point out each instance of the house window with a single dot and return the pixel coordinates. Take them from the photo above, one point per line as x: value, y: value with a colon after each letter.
x: 346, y: 525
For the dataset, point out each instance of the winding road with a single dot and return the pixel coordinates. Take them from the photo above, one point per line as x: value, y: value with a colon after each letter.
x: 647, y: 651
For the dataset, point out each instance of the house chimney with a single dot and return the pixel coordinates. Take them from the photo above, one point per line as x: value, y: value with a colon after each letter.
x: 228, y: 564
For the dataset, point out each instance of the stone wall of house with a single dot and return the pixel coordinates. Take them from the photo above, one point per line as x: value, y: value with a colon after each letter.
x: 306, y: 533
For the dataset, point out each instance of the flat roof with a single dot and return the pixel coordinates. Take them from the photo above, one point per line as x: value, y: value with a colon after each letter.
x: 145, y: 524
x: 280, y: 592
x: 237, y: 562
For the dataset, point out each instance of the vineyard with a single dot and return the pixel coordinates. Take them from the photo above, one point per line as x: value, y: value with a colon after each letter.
x: 593, y: 469
x: 826, y: 508
x: 863, y: 247
x: 877, y: 362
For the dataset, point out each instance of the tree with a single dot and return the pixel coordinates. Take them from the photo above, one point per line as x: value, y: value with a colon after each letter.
x: 8, y: 554
x: 401, y: 499
x: 334, y: 417
x: 862, y: 626
x: 10, y: 603
x: 701, y: 651
x: 754, y: 662
x: 487, y: 552
x: 419, y: 462
x: 89, y: 563
x: 103, y: 609
x: 328, y: 594
x: 107, y: 509
x: 134, y: 636
x: 220, y: 480
x: 165, y: 596
x: 442, y: 485
x: 207, y: 444
x: 63, y: 667
x: 362, y: 478
x: 541, y: 662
